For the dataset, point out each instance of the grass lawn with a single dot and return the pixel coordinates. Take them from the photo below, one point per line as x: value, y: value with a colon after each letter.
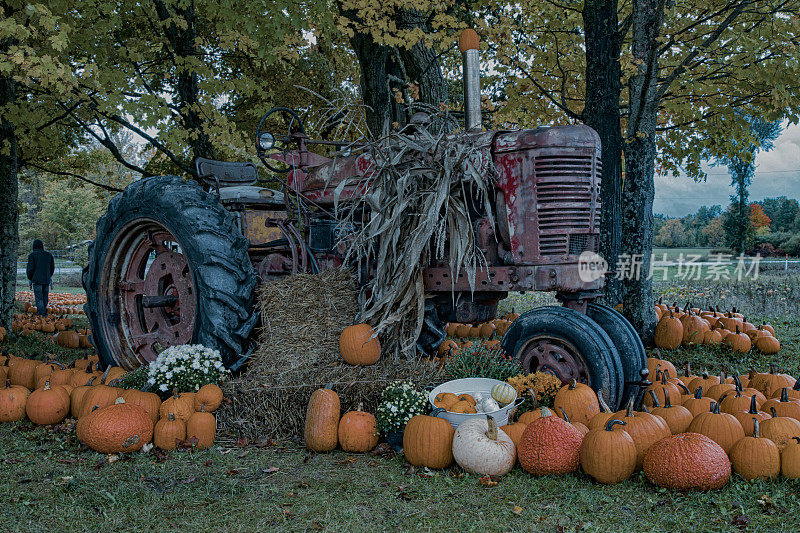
x: 48, y: 481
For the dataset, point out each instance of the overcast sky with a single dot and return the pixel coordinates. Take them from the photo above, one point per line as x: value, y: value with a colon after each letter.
x: 777, y: 174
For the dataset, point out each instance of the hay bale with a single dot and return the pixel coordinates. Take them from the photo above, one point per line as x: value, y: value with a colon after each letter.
x: 298, y: 352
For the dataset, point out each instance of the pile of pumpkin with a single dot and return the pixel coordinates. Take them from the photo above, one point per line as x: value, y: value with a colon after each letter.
x: 681, y: 440
x: 489, y: 333
x: 58, y: 303
x: 109, y: 419
x: 28, y: 323
x: 691, y: 325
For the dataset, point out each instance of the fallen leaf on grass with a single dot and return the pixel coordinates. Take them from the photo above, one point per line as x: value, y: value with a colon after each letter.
x: 349, y: 460
x: 242, y: 442
x: 489, y: 481
x: 517, y: 510
x: 112, y: 458
x: 265, y: 443
x: 372, y: 463
x: 188, y: 444
x: 243, y: 453
x: 270, y: 470
x: 232, y: 472
x: 382, y: 449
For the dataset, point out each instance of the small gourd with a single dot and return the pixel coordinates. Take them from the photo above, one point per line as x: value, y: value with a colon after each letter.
x: 504, y: 393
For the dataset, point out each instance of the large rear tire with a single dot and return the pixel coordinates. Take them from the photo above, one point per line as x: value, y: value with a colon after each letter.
x: 569, y: 345
x: 169, y: 266
x: 628, y: 344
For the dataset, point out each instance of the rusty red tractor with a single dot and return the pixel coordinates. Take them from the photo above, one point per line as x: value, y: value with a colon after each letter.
x: 177, y: 262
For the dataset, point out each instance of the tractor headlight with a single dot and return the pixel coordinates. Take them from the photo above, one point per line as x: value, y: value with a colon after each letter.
x: 266, y: 141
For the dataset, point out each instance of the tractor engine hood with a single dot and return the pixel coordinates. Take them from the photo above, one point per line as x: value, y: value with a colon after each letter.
x: 575, y: 136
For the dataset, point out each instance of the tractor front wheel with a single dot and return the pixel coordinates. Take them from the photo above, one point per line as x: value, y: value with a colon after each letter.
x: 569, y: 345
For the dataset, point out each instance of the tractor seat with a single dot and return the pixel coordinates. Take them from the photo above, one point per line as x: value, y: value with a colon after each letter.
x: 234, y: 182
x: 220, y: 174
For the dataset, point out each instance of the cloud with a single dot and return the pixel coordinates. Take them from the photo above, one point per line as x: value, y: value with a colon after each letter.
x: 777, y: 174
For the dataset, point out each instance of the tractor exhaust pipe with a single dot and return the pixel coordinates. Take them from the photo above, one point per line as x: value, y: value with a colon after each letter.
x: 468, y: 44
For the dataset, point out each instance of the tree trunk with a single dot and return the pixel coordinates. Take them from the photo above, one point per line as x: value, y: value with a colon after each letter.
x: 640, y: 155
x: 386, y: 71
x: 421, y: 63
x: 9, y: 215
x: 601, y: 112
x: 377, y: 63
x: 183, y: 41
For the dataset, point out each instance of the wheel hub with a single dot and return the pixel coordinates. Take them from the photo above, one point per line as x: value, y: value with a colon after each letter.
x: 554, y: 356
x: 151, y: 296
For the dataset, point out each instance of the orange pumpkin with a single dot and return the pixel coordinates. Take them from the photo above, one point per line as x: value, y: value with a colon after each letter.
x: 359, y: 345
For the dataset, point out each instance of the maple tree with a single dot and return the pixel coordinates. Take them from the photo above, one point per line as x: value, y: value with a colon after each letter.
x: 758, y: 218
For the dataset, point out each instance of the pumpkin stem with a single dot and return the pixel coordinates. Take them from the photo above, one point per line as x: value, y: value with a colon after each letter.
x: 629, y: 409
x: 203, y: 408
x: 688, y: 369
x: 93, y: 408
x: 606, y: 409
x: 492, y: 433
x: 89, y: 382
x: 753, y: 405
x: 664, y: 377
x: 47, y: 384
x: 797, y: 439
x: 105, y: 375
x: 785, y: 394
x: 55, y: 363
x: 572, y: 383
x: 655, y: 398
x: 698, y: 393
x: 705, y: 374
x: 771, y: 368
x: 545, y: 412
x: 667, y: 403
x: 755, y: 427
x: 533, y: 397
x: 564, y: 415
x: 645, y: 409
x: 171, y: 416
x: 328, y: 386
x: 715, y: 408
x: 773, y: 412
x: 119, y: 399
x: 610, y: 424
x: 737, y: 382
x: 685, y: 388
x: 796, y: 385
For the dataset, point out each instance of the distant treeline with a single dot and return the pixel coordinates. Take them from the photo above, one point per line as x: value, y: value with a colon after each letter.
x: 774, y: 228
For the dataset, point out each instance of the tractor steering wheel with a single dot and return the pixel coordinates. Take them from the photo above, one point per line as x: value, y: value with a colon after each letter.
x: 268, y: 143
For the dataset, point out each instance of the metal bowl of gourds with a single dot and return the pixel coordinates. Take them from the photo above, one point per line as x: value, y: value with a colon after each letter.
x: 487, y: 396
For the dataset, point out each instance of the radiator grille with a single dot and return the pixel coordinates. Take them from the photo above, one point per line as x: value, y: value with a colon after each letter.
x: 566, y: 193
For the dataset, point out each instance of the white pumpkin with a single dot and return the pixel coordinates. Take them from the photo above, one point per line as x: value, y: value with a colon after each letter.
x: 504, y: 393
x: 480, y: 447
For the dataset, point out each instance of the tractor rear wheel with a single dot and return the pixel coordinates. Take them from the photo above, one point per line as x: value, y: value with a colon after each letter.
x: 628, y: 344
x: 168, y: 267
x: 569, y: 345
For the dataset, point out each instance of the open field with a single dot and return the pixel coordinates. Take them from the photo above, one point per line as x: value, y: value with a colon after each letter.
x: 50, y: 482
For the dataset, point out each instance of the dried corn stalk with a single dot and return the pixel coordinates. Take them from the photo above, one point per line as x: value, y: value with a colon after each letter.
x: 416, y: 211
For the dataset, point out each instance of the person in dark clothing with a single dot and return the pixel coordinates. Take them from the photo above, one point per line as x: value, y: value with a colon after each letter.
x: 40, y: 274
